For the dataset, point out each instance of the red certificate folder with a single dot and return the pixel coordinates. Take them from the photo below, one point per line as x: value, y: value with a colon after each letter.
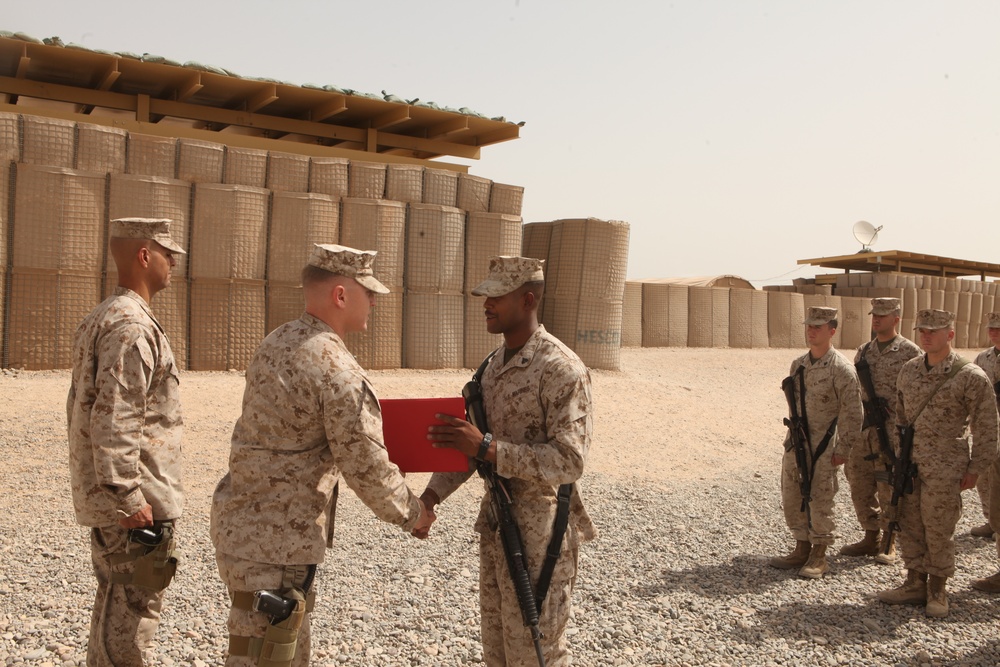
x: 404, y: 430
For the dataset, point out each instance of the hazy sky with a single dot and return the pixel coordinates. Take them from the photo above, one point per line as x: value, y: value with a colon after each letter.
x: 735, y: 137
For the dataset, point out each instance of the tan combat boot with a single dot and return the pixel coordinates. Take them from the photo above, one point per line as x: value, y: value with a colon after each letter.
x: 912, y: 591
x: 868, y: 546
x: 887, y: 558
x: 794, y: 560
x: 990, y: 584
x: 985, y: 530
x: 937, y: 597
x: 816, y: 566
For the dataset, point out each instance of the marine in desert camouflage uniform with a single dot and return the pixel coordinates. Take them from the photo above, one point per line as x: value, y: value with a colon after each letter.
x: 941, y: 395
x: 832, y: 395
x: 124, y: 428
x: 538, y: 404
x: 989, y: 361
x: 885, y: 353
x: 309, y: 417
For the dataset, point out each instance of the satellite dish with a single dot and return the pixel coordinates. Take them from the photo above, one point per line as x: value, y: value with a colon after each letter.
x: 866, y: 234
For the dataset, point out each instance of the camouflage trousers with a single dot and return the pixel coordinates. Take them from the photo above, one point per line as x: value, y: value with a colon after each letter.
x: 824, y: 488
x: 927, y: 519
x: 506, y: 642
x: 868, y: 495
x: 994, y: 499
x: 244, y: 575
x: 125, y: 617
x: 984, y: 488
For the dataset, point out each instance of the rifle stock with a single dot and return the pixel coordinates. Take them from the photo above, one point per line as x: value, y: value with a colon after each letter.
x: 799, y: 435
x: 903, y: 472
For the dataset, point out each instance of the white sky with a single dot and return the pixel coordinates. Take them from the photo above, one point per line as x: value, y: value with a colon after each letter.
x: 734, y: 136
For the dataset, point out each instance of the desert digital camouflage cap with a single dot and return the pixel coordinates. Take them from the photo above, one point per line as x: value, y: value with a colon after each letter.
x: 816, y: 315
x: 992, y: 320
x: 156, y: 229
x: 885, y: 305
x: 509, y: 273
x: 345, y: 261
x: 931, y: 318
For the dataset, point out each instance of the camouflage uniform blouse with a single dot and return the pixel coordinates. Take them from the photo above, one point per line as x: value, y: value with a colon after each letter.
x: 885, y: 366
x: 309, y: 415
x: 989, y: 361
x: 124, y: 415
x: 832, y: 392
x: 539, y: 411
x: 940, y: 440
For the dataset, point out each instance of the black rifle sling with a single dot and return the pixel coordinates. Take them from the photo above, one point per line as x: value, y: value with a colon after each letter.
x: 827, y: 437
x: 558, y: 527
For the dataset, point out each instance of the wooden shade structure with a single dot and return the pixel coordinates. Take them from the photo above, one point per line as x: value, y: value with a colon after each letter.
x: 901, y: 261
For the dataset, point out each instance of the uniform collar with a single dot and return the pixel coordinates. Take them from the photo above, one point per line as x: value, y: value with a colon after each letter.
x: 135, y: 296
x: 524, y: 357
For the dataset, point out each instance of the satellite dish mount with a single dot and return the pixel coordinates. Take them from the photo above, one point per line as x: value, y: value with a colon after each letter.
x: 866, y: 234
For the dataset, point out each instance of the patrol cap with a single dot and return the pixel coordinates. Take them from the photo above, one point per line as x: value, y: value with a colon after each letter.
x: 344, y: 261
x: 885, y: 305
x: 931, y: 318
x: 155, y: 229
x: 509, y: 273
x: 816, y: 315
x: 993, y: 320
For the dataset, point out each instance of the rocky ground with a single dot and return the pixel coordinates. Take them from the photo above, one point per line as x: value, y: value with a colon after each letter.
x: 682, y: 483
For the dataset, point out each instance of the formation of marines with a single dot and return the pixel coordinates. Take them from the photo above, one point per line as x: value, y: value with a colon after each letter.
x: 924, y: 430
x: 311, y: 418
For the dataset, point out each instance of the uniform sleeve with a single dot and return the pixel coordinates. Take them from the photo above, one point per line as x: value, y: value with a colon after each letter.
x: 983, y: 421
x: 353, y: 424
x: 851, y: 415
x: 118, y: 418
x: 446, y: 483
x: 566, y: 406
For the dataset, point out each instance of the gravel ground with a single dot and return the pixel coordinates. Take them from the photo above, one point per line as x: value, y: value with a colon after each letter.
x: 677, y: 577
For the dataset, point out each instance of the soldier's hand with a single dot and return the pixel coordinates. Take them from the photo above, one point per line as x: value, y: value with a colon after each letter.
x: 455, y: 434
x: 969, y: 481
x: 140, y: 519
x: 423, y: 526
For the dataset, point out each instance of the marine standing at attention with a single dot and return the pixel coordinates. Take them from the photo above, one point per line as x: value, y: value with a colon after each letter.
x: 884, y: 355
x: 823, y: 387
x: 124, y: 417
x: 940, y: 395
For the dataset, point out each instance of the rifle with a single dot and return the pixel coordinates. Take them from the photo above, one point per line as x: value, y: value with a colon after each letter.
x: 904, y: 470
x: 500, y: 506
x: 798, y: 430
x: 876, y: 409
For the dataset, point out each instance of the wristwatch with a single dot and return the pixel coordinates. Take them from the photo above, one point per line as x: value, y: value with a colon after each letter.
x: 484, y: 447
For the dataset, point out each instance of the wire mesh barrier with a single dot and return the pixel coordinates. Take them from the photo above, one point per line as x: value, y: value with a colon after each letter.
x: 404, y: 182
x: 440, y: 187
x: 298, y: 220
x: 229, y: 232
x: 366, y: 180
x: 148, y: 155
x: 747, y: 318
x: 10, y: 140
x: 100, y: 148
x: 245, y: 166
x: 506, y: 199
x: 328, y: 176
x: 473, y: 194
x: 287, y: 172
x: 284, y: 303
x: 199, y: 161
x: 632, y: 314
x: 708, y: 317
x: 227, y: 323
x: 433, y: 330
x: 664, y: 315
x: 48, y: 141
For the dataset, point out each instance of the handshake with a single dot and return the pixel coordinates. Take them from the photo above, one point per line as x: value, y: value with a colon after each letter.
x: 428, y: 500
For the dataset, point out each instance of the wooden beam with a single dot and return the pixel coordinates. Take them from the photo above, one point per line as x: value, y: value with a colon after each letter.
x: 142, y: 108
x: 459, y: 124
x: 267, y: 94
x: 371, y: 143
x: 109, y: 77
x: 498, y: 135
x: 188, y: 89
x: 337, y: 104
x: 391, y: 117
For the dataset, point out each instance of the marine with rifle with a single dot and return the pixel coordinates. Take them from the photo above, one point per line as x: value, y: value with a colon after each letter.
x: 537, y: 399
x: 939, y: 397
x: 824, y: 423
x: 989, y: 490
x: 868, y: 469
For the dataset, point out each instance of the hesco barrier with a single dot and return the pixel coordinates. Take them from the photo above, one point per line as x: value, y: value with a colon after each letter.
x: 486, y: 235
x: 404, y: 182
x: 747, y: 318
x: 632, y: 314
x: 708, y: 317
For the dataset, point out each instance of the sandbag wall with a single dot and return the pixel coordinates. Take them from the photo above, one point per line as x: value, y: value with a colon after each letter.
x: 248, y: 218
